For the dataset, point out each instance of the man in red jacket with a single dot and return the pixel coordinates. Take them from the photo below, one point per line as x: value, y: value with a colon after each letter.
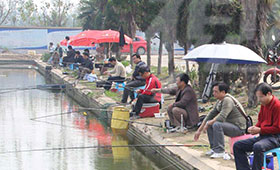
x: 145, y: 95
x: 268, y: 128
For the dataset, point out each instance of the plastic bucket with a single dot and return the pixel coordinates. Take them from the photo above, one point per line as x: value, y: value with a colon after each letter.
x: 121, y: 113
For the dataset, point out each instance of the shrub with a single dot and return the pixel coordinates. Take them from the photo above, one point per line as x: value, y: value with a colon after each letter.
x: 45, y: 57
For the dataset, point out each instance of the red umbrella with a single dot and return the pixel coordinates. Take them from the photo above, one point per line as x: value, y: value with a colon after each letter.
x: 87, y: 38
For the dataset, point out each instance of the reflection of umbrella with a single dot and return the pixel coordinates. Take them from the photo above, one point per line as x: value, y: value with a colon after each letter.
x: 224, y: 53
x: 87, y: 38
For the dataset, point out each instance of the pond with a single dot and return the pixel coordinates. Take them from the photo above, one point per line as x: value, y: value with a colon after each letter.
x: 43, y: 129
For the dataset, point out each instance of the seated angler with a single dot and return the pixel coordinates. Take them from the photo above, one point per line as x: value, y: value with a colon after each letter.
x: 225, y: 119
x: 118, y: 73
x: 145, y: 95
x: 136, y: 81
x: 86, y: 67
x: 267, y: 127
x: 185, y: 103
x: 79, y: 59
x: 70, y: 56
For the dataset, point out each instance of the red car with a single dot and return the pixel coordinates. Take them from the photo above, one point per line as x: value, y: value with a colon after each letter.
x: 139, y: 46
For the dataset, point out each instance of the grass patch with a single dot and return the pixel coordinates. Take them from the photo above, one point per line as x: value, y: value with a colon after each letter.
x: 113, y: 95
x: 45, y: 57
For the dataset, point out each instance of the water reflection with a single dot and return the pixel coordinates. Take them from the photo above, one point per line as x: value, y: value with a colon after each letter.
x: 19, y: 132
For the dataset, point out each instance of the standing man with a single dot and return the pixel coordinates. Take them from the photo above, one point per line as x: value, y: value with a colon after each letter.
x: 268, y: 128
x: 59, y: 50
x: 51, y: 48
x: 185, y: 103
x: 146, y: 95
x: 136, y: 81
x: 118, y: 73
x: 67, y: 38
x: 224, y: 119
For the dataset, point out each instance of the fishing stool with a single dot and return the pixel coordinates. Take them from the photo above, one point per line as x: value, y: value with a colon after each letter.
x: 275, y: 150
x: 119, y: 86
x: 137, y: 88
x: 232, y: 140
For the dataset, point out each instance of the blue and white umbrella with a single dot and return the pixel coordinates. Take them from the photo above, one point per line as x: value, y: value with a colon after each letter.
x: 224, y: 54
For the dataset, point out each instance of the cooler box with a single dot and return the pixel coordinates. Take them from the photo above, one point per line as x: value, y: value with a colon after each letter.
x: 149, y: 109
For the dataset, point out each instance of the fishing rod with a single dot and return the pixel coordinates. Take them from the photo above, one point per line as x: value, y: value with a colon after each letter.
x: 39, y: 87
x: 58, y: 114
x: 105, y: 146
x: 129, y: 121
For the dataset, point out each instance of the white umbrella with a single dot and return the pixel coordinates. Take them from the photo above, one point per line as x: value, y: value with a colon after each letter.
x: 224, y: 53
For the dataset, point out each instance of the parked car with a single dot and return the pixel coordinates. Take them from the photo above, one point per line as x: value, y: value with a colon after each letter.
x: 139, y: 46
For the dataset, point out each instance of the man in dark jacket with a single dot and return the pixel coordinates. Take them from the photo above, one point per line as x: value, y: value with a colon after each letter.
x: 185, y: 103
x: 86, y: 66
x: 136, y: 81
x: 78, y: 58
x: 145, y: 95
x: 70, y: 56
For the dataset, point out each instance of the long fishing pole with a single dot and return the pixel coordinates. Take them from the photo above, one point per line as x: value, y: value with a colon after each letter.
x: 37, y: 87
x: 129, y: 121
x: 58, y: 114
x: 105, y: 146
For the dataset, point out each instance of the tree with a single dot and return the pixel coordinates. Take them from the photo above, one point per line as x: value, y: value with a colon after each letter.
x: 254, y: 26
x: 149, y: 10
x: 6, y: 9
x: 182, y: 28
x: 92, y: 13
x: 28, y: 12
x: 56, y: 13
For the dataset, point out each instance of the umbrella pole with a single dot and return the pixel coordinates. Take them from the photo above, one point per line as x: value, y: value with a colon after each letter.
x: 109, y: 50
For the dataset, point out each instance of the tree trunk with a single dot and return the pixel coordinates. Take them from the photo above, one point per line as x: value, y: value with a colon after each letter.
x: 186, y: 47
x: 253, y: 78
x: 160, y: 54
x: 148, y: 39
x: 254, y: 25
x: 118, y: 53
x: 171, y: 65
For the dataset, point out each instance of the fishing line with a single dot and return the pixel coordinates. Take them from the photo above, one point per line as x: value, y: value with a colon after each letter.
x: 51, y: 123
x: 104, y: 146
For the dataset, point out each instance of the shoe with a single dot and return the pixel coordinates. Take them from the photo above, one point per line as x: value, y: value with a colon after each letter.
x: 209, y: 153
x: 171, y: 130
x: 121, y: 103
x: 226, y: 156
x: 192, y: 128
x: 217, y: 155
x: 134, y: 117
